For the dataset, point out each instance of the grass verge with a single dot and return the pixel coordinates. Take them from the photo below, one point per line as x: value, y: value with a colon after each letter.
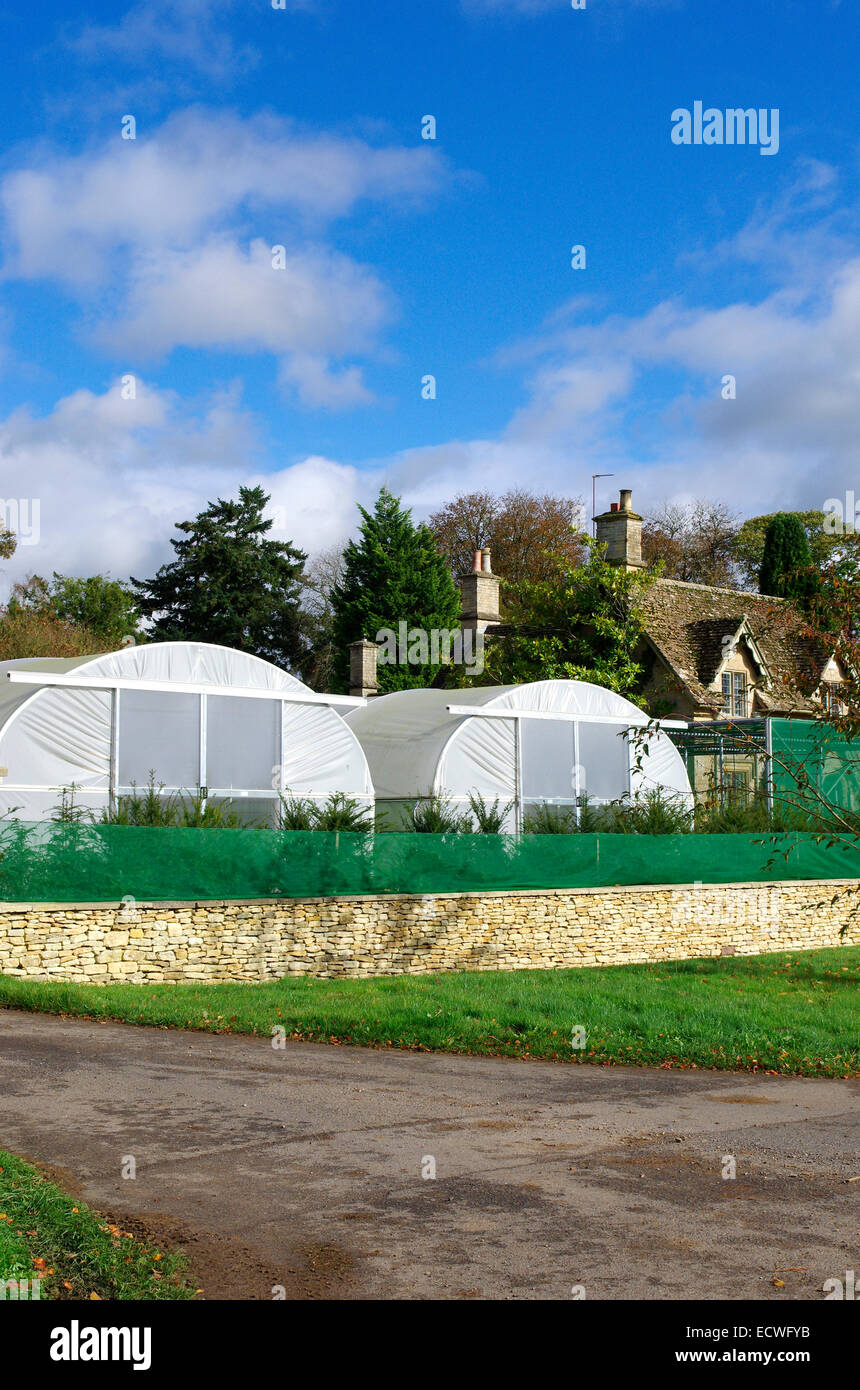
x: 72, y: 1252
x: 794, y: 1013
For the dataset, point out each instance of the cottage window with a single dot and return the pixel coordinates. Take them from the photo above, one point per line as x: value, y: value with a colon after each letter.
x: 735, y: 694
x: 833, y: 697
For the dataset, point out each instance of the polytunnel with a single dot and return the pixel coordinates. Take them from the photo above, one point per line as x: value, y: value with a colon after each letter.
x: 553, y: 741
x: 200, y: 717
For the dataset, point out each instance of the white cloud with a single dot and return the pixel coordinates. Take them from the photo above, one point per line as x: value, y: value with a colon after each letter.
x: 638, y: 396
x: 220, y: 296
x: 78, y: 218
x: 320, y: 387
x: 113, y: 476
x: 173, y: 31
x: 168, y: 242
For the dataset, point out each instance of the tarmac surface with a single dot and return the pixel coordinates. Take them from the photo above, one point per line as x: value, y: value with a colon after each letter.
x: 307, y: 1169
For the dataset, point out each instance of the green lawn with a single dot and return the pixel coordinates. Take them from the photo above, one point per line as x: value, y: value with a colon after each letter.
x: 796, y: 1013
x: 72, y: 1251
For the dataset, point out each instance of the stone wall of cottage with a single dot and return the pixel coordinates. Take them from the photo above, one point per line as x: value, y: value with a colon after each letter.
x: 365, y: 936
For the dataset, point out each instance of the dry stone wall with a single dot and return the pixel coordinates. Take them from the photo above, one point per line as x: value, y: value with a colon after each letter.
x: 394, y: 935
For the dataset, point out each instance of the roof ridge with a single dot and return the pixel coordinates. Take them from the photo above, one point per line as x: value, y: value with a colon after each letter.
x: 718, y: 589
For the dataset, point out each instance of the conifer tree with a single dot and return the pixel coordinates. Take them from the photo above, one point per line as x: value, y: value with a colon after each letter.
x: 393, y: 573
x: 787, y: 560
x: 229, y: 583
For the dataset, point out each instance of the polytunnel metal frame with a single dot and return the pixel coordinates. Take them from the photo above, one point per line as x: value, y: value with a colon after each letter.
x: 114, y: 684
x: 567, y: 716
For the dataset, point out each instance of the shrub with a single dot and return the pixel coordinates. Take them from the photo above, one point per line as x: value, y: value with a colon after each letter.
x: 295, y: 813
x: 653, y: 812
x: 735, y: 817
x: 341, y: 812
x: 435, y: 815
x: 544, y: 819
x: 489, y: 819
x: 149, y: 807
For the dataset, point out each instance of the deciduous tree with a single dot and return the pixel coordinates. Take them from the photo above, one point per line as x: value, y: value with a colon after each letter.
x: 523, y: 530
x: 695, y: 542
x: 105, y: 607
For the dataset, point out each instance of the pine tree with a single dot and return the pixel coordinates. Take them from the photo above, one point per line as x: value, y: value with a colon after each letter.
x: 787, y: 560
x: 229, y: 584
x: 393, y: 573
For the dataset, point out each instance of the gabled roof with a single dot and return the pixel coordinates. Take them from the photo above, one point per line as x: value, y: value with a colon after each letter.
x: 686, y: 624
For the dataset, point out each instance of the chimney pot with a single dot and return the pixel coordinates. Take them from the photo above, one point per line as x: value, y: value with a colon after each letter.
x: 476, y: 562
x: 486, y: 567
x: 626, y: 504
x: 613, y: 506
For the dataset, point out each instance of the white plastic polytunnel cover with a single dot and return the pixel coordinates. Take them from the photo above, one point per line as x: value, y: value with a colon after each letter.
x: 197, y: 716
x: 550, y: 742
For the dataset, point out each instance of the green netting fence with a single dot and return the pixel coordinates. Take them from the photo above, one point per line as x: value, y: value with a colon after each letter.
x: 51, y: 862
x: 820, y: 753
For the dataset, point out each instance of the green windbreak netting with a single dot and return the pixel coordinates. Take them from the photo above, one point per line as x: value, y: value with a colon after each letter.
x: 50, y: 862
x: 804, y: 749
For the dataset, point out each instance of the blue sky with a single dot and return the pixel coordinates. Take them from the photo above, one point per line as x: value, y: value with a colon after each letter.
x: 301, y: 127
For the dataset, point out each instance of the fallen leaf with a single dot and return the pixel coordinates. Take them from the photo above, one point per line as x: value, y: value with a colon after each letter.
x: 96, y: 1298
x: 778, y: 1283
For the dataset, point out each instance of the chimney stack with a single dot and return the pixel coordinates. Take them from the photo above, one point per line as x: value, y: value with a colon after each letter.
x: 620, y: 530
x: 362, y: 669
x: 479, y: 593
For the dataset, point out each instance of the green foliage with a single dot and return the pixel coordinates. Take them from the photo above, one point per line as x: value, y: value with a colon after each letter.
x: 750, y: 539
x: 295, y: 813
x: 229, y: 583
x: 583, y: 624
x: 436, y: 816
x: 654, y: 812
x: 786, y: 566
x: 67, y: 811
x: 545, y: 819
x: 649, y: 813
x: 734, y: 816
x: 104, y: 607
x: 190, y: 810
x: 339, y: 812
x: 392, y: 574
x: 489, y: 818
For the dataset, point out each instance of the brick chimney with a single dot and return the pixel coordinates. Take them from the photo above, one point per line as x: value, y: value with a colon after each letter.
x: 362, y: 668
x: 620, y: 530
x: 479, y: 592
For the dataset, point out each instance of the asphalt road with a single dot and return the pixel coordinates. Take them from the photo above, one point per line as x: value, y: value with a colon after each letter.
x: 303, y: 1168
